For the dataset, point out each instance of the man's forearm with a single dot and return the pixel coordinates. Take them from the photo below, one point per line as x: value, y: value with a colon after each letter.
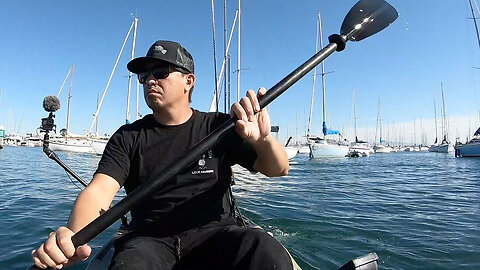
x: 86, y: 209
x: 271, y: 159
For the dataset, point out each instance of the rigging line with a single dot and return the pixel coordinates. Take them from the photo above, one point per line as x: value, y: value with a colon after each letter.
x: 238, y: 48
x: 475, y: 21
x: 314, y: 82
x: 95, y: 116
x: 71, y: 180
x: 64, y: 81
x: 225, y: 36
x: 215, y: 100
x: 130, y: 74
x: 214, y: 55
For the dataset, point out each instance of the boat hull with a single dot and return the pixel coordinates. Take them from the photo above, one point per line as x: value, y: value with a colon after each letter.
x: 382, y: 149
x: 363, y: 149
x: 325, y: 150
x: 98, y: 145
x: 441, y: 148
x: 79, y: 146
x: 304, y: 150
x: 468, y: 150
x: 291, y: 151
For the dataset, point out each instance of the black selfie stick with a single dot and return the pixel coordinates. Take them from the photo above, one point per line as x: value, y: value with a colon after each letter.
x: 51, y: 104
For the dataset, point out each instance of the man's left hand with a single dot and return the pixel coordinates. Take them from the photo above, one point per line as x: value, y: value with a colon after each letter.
x: 253, y: 124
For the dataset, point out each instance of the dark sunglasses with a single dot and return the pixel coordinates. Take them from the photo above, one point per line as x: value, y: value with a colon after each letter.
x: 158, y: 73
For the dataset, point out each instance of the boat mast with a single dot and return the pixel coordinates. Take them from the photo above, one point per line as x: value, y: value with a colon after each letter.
x: 214, y: 103
x: 436, y: 128
x: 225, y: 52
x: 354, y: 116
x: 476, y: 30
x: 69, y: 98
x: 379, y: 126
x: 444, y: 121
x: 95, y: 116
x: 96, y: 122
x: 229, y: 69
x: 238, y: 55
x: 70, y: 70
x: 137, y: 114
x: 214, y: 56
x: 414, y: 133
x: 130, y: 75
x: 323, y: 78
x: 314, y: 82
x: 475, y: 22
x: 380, y: 120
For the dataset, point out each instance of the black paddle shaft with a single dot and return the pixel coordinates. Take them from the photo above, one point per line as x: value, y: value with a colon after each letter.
x: 147, y: 189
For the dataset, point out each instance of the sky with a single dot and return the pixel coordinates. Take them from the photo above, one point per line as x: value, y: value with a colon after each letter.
x: 431, y: 44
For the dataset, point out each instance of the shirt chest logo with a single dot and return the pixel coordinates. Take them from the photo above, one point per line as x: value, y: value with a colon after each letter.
x: 202, y: 164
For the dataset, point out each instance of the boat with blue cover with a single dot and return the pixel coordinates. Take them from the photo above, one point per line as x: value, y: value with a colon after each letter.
x: 469, y: 149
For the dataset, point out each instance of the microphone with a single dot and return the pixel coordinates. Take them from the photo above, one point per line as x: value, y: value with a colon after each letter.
x: 51, y: 104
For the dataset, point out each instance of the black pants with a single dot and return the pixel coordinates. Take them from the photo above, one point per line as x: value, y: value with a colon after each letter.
x: 229, y: 247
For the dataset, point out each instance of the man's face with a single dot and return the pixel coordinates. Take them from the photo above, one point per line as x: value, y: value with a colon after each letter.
x: 167, y: 90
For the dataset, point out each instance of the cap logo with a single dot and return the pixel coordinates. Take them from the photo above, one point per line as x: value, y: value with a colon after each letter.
x: 159, y: 48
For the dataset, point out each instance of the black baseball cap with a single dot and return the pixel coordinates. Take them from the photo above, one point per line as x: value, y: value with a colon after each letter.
x: 161, y: 52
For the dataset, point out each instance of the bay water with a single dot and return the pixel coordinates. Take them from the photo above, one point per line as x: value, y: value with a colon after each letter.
x: 416, y: 210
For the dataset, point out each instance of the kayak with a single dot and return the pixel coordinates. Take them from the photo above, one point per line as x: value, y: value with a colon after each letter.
x: 102, y: 258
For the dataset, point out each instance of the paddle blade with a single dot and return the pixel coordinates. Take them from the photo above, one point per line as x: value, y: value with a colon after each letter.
x: 366, y: 18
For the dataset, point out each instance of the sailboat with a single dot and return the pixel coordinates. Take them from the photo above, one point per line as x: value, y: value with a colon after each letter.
x: 97, y: 142
x: 472, y: 147
x: 68, y: 141
x: 444, y: 146
x: 321, y: 146
x: 381, y: 147
x: 358, y: 148
x: 2, y: 135
x: 291, y: 150
x: 469, y: 149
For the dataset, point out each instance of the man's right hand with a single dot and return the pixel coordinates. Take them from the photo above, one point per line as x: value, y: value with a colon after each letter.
x: 58, y: 251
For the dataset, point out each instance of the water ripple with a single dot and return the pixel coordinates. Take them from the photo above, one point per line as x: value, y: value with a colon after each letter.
x: 415, y: 210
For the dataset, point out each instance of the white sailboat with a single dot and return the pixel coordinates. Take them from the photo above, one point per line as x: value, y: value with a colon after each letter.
x: 380, y: 147
x: 98, y: 143
x: 304, y: 149
x: 321, y: 146
x: 445, y: 146
x: 68, y: 141
x: 71, y: 144
x: 358, y: 148
x: 291, y: 150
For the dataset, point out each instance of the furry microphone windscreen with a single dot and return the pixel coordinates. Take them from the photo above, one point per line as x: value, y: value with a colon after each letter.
x: 51, y: 104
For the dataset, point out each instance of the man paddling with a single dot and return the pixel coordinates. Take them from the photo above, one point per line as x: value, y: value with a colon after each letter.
x: 190, y: 223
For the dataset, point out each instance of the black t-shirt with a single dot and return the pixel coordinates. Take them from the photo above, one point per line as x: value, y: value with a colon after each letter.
x: 198, y: 195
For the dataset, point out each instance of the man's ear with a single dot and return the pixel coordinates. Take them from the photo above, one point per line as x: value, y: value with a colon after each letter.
x: 190, y: 79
